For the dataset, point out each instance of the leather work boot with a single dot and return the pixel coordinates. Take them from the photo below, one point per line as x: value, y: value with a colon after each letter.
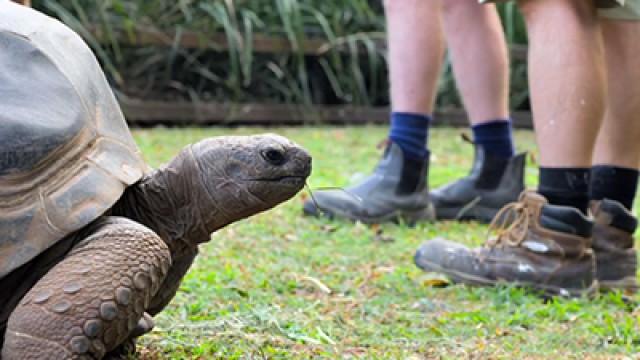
x: 541, y: 246
x: 616, y: 261
x: 396, y: 190
x: 492, y: 183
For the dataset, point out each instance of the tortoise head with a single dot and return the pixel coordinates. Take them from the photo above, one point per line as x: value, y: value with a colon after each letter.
x: 244, y: 175
x: 213, y: 183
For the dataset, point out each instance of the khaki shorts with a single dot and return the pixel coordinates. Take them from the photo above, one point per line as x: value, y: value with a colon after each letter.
x: 610, y: 9
x: 629, y: 10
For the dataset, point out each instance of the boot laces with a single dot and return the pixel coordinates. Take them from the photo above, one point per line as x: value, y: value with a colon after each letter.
x: 510, y: 224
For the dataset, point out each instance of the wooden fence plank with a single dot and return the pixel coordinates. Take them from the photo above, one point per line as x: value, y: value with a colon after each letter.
x: 186, y: 113
x: 218, y: 41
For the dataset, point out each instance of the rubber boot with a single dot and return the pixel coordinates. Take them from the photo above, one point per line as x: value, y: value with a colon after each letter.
x: 396, y: 191
x: 492, y: 183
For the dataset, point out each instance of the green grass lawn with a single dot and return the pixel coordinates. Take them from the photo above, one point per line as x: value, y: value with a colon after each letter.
x: 284, y: 286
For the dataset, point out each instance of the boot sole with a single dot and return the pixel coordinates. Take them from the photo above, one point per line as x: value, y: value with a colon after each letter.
x: 628, y: 283
x: 458, y: 277
x: 478, y: 213
x: 410, y: 217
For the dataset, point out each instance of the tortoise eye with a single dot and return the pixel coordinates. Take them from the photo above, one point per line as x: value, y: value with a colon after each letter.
x: 273, y: 156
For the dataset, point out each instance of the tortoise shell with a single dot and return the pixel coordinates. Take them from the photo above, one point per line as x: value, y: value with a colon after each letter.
x: 66, y: 153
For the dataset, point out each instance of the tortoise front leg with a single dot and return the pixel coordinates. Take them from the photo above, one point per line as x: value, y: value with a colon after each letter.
x: 90, y: 302
x: 168, y: 289
x: 128, y: 347
x: 179, y: 267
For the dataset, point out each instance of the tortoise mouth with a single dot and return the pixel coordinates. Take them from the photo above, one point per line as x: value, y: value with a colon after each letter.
x: 285, y: 178
x: 290, y: 180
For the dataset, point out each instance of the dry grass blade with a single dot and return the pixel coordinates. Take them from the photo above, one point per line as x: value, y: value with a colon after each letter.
x: 317, y: 283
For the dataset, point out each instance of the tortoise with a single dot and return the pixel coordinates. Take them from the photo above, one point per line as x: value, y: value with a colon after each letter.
x: 93, y: 242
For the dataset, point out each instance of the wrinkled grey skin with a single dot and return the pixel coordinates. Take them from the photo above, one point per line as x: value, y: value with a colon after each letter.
x: 92, y: 293
x: 231, y: 178
x: 214, y: 183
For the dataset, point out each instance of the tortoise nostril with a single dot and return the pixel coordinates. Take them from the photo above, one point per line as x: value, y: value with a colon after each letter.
x: 273, y: 156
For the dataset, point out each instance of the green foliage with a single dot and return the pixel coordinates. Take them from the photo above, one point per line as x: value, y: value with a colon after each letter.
x: 258, y: 290
x: 351, y: 68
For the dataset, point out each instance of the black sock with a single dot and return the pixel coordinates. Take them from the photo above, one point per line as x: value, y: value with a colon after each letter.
x: 565, y: 186
x: 615, y: 183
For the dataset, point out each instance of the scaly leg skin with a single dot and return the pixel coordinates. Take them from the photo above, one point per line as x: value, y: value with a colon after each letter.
x: 179, y: 267
x: 128, y: 347
x: 168, y: 289
x: 89, y: 303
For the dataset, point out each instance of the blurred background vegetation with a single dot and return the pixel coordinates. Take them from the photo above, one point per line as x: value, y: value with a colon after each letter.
x: 349, y: 67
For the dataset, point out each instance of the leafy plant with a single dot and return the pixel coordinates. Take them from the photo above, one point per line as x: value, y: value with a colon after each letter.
x: 348, y: 68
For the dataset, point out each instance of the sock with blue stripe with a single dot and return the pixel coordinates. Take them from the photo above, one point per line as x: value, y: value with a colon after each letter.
x: 410, y: 131
x: 495, y: 137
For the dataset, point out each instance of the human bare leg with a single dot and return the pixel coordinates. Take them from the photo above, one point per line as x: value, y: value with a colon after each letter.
x: 617, y: 150
x: 479, y: 57
x: 478, y: 54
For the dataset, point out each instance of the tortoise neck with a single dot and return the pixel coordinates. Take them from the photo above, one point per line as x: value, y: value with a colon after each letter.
x: 173, y: 202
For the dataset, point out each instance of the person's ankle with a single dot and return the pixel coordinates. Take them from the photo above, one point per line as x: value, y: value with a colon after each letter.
x: 410, y: 131
x: 614, y: 183
x: 495, y: 137
x: 565, y: 186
